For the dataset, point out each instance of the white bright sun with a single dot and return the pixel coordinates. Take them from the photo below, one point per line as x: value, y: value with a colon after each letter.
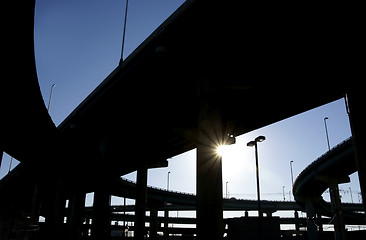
x: 221, y: 150
x: 228, y: 151
x: 235, y: 160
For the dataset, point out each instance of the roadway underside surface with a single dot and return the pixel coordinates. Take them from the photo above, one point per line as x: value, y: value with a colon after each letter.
x: 251, y: 65
x: 209, y: 71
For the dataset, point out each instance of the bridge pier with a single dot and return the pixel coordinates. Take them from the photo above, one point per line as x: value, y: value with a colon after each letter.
x: 34, y: 210
x: 319, y: 222
x: 101, y: 225
x: 339, y: 227
x: 55, y: 210
x: 209, y: 184
x: 209, y: 195
x: 166, y: 225
x: 310, y: 219
x: 153, y: 224
x: 76, y: 215
x: 210, y: 223
x: 297, y: 224
x: 141, y: 196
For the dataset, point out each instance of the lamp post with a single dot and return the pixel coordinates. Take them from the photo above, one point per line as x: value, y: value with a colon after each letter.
x: 326, y: 131
x: 226, y: 189
x: 167, y: 185
x: 292, y: 175
x: 350, y: 192
x: 49, y: 100
x: 339, y: 226
x: 124, y: 33
x: 251, y: 144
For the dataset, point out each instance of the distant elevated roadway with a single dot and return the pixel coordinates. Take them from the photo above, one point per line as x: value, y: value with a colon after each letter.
x: 173, y: 200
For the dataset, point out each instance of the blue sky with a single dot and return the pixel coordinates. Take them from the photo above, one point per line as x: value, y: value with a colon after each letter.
x: 78, y: 43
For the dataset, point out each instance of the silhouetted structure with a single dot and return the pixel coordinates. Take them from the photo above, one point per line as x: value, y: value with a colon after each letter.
x: 210, y: 70
x: 247, y: 228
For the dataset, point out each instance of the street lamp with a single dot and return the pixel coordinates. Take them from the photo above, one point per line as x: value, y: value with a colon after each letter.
x: 167, y: 186
x: 292, y: 179
x: 251, y: 144
x: 292, y: 175
x: 339, y: 229
x: 49, y: 100
x: 350, y: 192
x: 326, y: 131
x: 226, y: 189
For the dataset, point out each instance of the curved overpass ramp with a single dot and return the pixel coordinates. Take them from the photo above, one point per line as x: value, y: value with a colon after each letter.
x: 333, y: 167
x: 27, y: 131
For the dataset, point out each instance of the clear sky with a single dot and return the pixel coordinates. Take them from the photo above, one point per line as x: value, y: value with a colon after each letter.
x: 78, y: 43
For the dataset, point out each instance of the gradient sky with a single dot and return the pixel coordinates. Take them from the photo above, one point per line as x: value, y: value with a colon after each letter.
x: 78, y: 43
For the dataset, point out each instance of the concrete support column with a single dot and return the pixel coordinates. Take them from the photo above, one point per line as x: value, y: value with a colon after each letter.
x: 339, y: 228
x: 357, y: 120
x: 87, y: 227
x: 101, y: 224
x: 34, y: 211
x: 209, y: 194
x: 76, y: 216
x: 141, y: 196
x: 210, y: 224
x: 310, y: 219
x: 153, y: 224
x: 319, y: 222
x: 55, y: 210
x: 297, y: 223
x: 166, y: 225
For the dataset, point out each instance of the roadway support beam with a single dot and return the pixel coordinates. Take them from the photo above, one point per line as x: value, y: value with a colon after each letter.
x: 55, y: 209
x: 356, y: 112
x: 339, y: 227
x: 310, y: 219
x: 209, y: 194
x: 209, y: 213
x: 101, y: 224
x: 34, y: 211
x: 76, y: 216
x: 141, y: 197
x: 297, y: 223
x: 319, y: 222
x: 153, y: 224
x: 166, y: 225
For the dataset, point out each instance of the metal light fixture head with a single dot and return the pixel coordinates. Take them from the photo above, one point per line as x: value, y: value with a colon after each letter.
x: 257, y: 139
x: 251, y: 143
x: 230, y: 139
x: 260, y: 139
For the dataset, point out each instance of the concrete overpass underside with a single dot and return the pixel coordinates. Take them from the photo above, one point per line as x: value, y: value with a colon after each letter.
x: 209, y: 71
